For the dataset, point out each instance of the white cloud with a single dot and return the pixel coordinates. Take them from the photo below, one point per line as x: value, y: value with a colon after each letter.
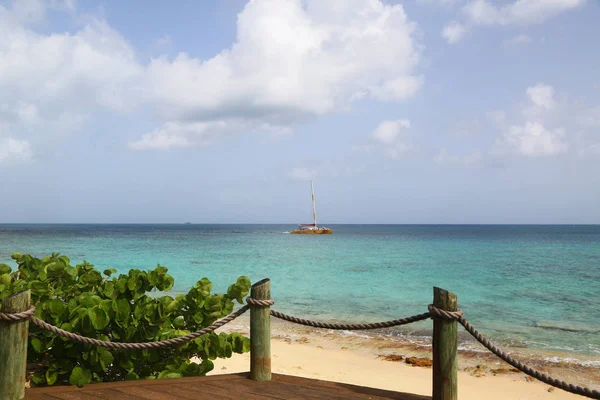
x: 51, y: 83
x: 541, y: 95
x: 533, y: 139
x: 170, y: 135
x: 14, y: 150
x: 519, y: 12
x: 535, y: 135
x: 388, y: 132
x: 388, y: 136
x: 453, y: 32
x: 511, y: 13
x: 303, y: 174
x: 293, y: 60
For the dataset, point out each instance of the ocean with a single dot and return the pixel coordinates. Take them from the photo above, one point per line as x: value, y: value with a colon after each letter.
x: 525, y: 286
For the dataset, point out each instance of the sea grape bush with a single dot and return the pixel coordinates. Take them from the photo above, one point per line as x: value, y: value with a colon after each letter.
x: 127, y: 308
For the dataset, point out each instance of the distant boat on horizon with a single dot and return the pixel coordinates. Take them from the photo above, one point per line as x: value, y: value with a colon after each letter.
x: 187, y: 223
x: 312, y: 229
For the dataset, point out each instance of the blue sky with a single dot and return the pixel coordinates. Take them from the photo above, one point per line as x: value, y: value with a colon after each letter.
x: 425, y: 111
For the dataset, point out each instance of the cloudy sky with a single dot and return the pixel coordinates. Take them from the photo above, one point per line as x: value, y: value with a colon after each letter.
x: 421, y: 111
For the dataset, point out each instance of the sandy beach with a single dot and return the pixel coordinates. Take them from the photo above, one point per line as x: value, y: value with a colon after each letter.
x: 382, y: 363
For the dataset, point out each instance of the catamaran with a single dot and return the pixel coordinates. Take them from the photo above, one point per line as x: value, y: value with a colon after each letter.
x: 313, y: 228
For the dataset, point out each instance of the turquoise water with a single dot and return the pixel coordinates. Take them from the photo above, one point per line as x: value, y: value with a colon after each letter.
x: 525, y: 286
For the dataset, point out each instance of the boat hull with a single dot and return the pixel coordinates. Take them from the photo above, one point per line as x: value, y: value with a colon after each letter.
x: 312, y: 232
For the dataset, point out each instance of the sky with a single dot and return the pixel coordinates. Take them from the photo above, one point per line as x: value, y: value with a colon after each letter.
x: 421, y: 111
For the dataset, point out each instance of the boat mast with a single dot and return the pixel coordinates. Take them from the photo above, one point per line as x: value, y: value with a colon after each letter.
x: 312, y: 188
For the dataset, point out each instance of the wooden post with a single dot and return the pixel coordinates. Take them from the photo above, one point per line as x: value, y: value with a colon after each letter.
x: 260, y: 333
x: 13, y: 347
x: 445, y: 342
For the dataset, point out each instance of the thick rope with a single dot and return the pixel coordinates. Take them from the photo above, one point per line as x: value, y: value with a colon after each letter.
x: 433, y: 312
x: 259, y: 303
x: 351, y: 327
x: 458, y: 316
x: 14, y: 317
x: 139, y: 346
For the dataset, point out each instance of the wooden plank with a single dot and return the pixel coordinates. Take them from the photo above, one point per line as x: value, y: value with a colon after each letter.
x: 260, y: 333
x: 338, y: 387
x: 195, y: 392
x: 243, y: 389
x: 218, y: 387
x: 148, y: 393
x: 76, y: 396
x: 138, y: 383
x: 283, y: 390
x: 188, y: 392
x: 445, y: 343
x: 111, y: 394
x: 13, y: 347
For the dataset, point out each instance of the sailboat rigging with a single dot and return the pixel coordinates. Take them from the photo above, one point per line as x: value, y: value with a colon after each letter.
x: 312, y: 228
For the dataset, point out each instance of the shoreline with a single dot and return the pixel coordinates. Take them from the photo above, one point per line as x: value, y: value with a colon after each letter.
x: 381, y: 362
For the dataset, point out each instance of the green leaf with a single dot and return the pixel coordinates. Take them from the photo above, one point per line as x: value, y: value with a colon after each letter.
x: 239, y: 289
x: 86, y: 323
x: 109, y: 289
x: 5, y: 279
x: 205, y: 367
x: 166, y: 283
x: 106, y: 305
x: 5, y: 269
x: 132, y: 283
x: 122, y: 310
x: 51, y: 377
x: 39, y: 378
x: 16, y: 256
x: 228, y: 350
x: 99, y: 318
x: 131, y: 376
x: 204, y: 286
x: 106, y: 358
x: 109, y: 272
x: 173, y: 307
x: 37, y: 345
x: 56, y: 308
x: 80, y: 376
x: 125, y: 363
x: 121, y: 285
x: 54, y: 269
x: 169, y: 374
x: 198, y: 318
x: 153, y: 278
x: 179, y: 322
x: 160, y: 270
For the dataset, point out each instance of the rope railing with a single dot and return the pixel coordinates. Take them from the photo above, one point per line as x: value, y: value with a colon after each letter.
x: 433, y: 312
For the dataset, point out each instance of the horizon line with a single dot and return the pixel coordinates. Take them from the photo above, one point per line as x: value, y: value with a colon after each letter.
x: 287, y: 223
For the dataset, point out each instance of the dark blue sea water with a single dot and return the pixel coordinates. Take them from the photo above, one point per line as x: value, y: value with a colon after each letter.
x: 525, y: 286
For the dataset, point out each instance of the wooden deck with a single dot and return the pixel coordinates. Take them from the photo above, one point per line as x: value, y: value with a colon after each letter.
x: 218, y: 387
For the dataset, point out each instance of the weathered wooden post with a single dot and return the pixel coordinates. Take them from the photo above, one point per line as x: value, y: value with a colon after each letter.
x: 260, y: 333
x: 13, y: 347
x: 445, y: 342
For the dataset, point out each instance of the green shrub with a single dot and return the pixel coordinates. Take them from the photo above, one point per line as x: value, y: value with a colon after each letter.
x: 81, y: 300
